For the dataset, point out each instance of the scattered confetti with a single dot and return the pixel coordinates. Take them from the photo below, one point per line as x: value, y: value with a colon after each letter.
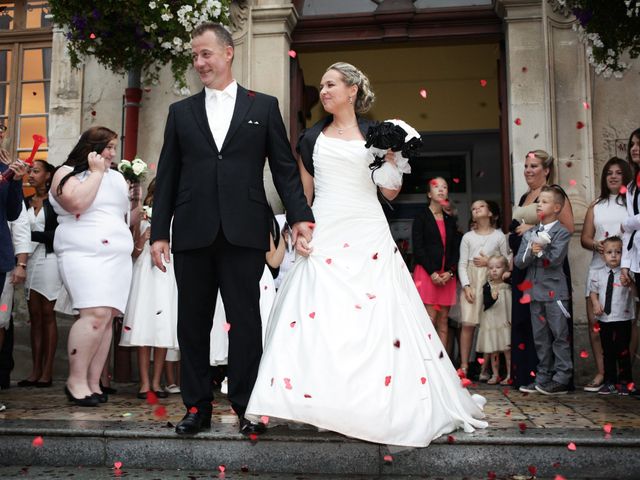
x: 375, y: 256
x: 623, y: 190
x: 117, y: 465
x: 387, y: 380
x: 579, y: 125
x: 312, y: 315
x: 508, y: 412
x: 466, y: 382
x: 456, y: 180
x: 526, y: 285
x: 37, y: 442
x: 287, y: 384
x: 572, y: 182
x: 222, y: 468
x: 483, y: 83
x: 423, y: 92
x: 526, y: 298
x: 328, y: 261
x: 607, y: 428
x: 552, y: 294
x: 396, y: 344
x: 346, y: 245
x: 293, y: 53
x: 423, y: 380
x: 292, y: 324
x: 572, y: 446
x: 532, y: 373
x: 523, y: 427
x: 491, y: 475
x: 584, y: 354
x: 533, y: 470
x: 226, y: 326
x: 480, y: 360
x: 451, y: 439
x: 596, y: 327
x: 388, y: 459
x: 93, y: 113
x: 306, y: 395
x: 358, y: 307
x: 160, y: 412
x: 92, y: 36
x: 193, y: 410
x: 517, y: 121
x: 105, y: 242
x: 371, y: 296
x: 559, y: 477
x: 253, y: 437
x: 3, y: 307
x: 152, y: 398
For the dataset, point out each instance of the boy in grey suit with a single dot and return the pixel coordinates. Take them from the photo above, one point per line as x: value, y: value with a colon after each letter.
x: 542, y: 253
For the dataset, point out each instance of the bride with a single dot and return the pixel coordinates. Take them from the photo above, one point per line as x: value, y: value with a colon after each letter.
x: 349, y: 346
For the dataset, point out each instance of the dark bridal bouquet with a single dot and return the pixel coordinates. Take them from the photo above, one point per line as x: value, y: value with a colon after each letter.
x: 399, y: 137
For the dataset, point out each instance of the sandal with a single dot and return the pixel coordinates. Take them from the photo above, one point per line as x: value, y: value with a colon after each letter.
x: 507, y: 380
x: 593, y: 386
x: 484, y: 376
x: 493, y: 380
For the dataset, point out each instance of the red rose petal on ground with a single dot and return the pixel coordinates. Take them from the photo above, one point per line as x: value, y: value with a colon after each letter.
x: 312, y: 315
x: 423, y: 92
x: 388, y: 459
x: 480, y: 360
x: 37, y: 442
x: 461, y: 373
x: 371, y: 296
x: 586, y: 105
x: 533, y: 470
x: 584, y: 354
x: 105, y: 242
x: 572, y: 446
x: 631, y: 386
x: 117, y: 465
x: 532, y: 373
x: 483, y: 83
x: 387, y: 380
x: 193, y: 410
x: 222, y: 468
x: 523, y: 427
x: 93, y: 113
x: 517, y: 121
x: 451, y: 439
x: 552, y: 294
x: 506, y: 391
x: 466, y: 382
x: 92, y: 36
x: 253, y: 437
x: 508, y: 412
x: 152, y: 398
x: 293, y: 53
x: 559, y: 477
x: 226, y: 326
x: 526, y: 298
x: 607, y: 428
x: 579, y: 125
x: 160, y: 412
x: 396, y: 344
x: 292, y: 324
x: 526, y: 285
x: 328, y: 261
x: 423, y: 380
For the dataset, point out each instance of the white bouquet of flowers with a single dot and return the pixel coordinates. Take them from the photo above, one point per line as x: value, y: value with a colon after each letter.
x: 541, y: 238
x: 147, y: 210
x: 134, y: 170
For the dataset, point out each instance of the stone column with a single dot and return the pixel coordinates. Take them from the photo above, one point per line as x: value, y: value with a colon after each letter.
x: 65, y: 105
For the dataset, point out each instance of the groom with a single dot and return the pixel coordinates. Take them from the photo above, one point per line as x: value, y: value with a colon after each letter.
x: 210, y: 182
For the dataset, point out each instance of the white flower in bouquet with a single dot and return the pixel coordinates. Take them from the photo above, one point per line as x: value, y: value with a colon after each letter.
x: 138, y: 166
x: 124, y: 165
x: 543, y: 239
x: 147, y: 211
x: 133, y: 171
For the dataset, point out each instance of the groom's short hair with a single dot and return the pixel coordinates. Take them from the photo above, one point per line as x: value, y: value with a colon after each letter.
x: 221, y: 33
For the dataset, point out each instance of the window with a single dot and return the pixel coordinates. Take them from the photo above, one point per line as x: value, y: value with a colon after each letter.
x: 25, y: 74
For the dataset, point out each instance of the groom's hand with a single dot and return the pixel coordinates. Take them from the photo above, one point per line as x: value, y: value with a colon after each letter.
x: 160, y: 253
x: 302, y: 233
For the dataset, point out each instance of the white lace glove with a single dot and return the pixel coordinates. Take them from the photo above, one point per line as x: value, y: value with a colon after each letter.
x: 388, y: 176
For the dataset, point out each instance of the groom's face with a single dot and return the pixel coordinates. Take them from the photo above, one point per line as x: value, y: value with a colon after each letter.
x: 212, y: 60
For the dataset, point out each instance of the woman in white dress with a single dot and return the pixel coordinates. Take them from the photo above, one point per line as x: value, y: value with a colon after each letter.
x: 350, y: 347
x: 151, y: 319
x: 603, y: 219
x: 43, y: 279
x: 94, y: 245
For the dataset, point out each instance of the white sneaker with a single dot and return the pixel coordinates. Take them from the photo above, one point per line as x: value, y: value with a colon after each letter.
x: 224, y: 386
x: 173, y: 388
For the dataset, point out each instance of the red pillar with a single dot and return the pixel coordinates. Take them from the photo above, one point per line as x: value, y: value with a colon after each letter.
x: 131, y: 112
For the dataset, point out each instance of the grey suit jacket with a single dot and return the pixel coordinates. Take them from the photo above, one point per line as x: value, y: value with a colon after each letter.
x: 545, y: 272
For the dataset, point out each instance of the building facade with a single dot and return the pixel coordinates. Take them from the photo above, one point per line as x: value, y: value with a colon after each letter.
x: 485, y: 81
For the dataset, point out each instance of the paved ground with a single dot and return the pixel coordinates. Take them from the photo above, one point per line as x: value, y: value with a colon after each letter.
x: 505, y: 409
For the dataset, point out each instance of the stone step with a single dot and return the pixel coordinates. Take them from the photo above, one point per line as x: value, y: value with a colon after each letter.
x: 507, y: 453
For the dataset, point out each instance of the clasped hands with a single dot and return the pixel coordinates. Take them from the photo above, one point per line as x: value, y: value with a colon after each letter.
x: 441, y: 278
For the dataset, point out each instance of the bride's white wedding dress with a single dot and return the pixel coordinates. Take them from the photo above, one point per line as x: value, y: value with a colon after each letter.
x: 349, y: 346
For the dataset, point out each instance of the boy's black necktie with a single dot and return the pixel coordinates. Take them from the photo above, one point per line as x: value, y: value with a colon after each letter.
x: 609, y: 294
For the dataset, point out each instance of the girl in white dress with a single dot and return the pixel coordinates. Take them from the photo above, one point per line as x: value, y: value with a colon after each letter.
x: 151, y: 319
x: 603, y: 219
x: 43, y: 279
x: 476, y: 247
x: 494, y: 335
x: 350, y: 347
x: 93, y: 244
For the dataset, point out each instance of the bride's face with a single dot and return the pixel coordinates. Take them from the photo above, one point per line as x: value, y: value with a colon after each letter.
x: 334, y: 92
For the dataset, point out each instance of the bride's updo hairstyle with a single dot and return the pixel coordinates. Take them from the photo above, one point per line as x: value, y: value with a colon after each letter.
x: 352, y: 76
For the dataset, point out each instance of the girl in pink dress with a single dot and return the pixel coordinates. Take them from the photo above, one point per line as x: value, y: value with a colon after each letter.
x: 436, y: 248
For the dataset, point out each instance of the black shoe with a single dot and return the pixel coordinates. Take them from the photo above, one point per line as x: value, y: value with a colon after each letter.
x: 531, y: 388
x: 27, y: 383
x: 193, y: 423
x: 102, y: 397
x: 248, y: 428
x: 44, y: 384
x: 141, y: 395
x: 108, y: 390
x: 88, y: 401
x: 161, y: 394
x: 552, y: 388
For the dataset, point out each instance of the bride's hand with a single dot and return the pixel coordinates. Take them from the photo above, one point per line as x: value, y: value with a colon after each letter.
x: 302, y: 246
x: 390, y: 157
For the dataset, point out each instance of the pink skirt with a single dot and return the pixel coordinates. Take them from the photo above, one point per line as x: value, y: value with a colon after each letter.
x: 432, y: 294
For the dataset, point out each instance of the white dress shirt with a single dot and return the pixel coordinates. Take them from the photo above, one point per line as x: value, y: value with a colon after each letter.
x: 219, y: 105
x: 622, y: 305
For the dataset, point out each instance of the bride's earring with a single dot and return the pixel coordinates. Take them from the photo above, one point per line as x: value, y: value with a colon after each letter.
x: 350, y: 100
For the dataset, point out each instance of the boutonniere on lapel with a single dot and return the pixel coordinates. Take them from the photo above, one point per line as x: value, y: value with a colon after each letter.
x: 251, y: 94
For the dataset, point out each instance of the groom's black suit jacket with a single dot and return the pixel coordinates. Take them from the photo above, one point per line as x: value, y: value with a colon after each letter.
x: 204, y: 186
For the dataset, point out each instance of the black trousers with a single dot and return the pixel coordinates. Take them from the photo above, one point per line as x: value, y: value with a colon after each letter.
x: 6, y: 350
x: 236, y: 271
x: 615, y: 338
